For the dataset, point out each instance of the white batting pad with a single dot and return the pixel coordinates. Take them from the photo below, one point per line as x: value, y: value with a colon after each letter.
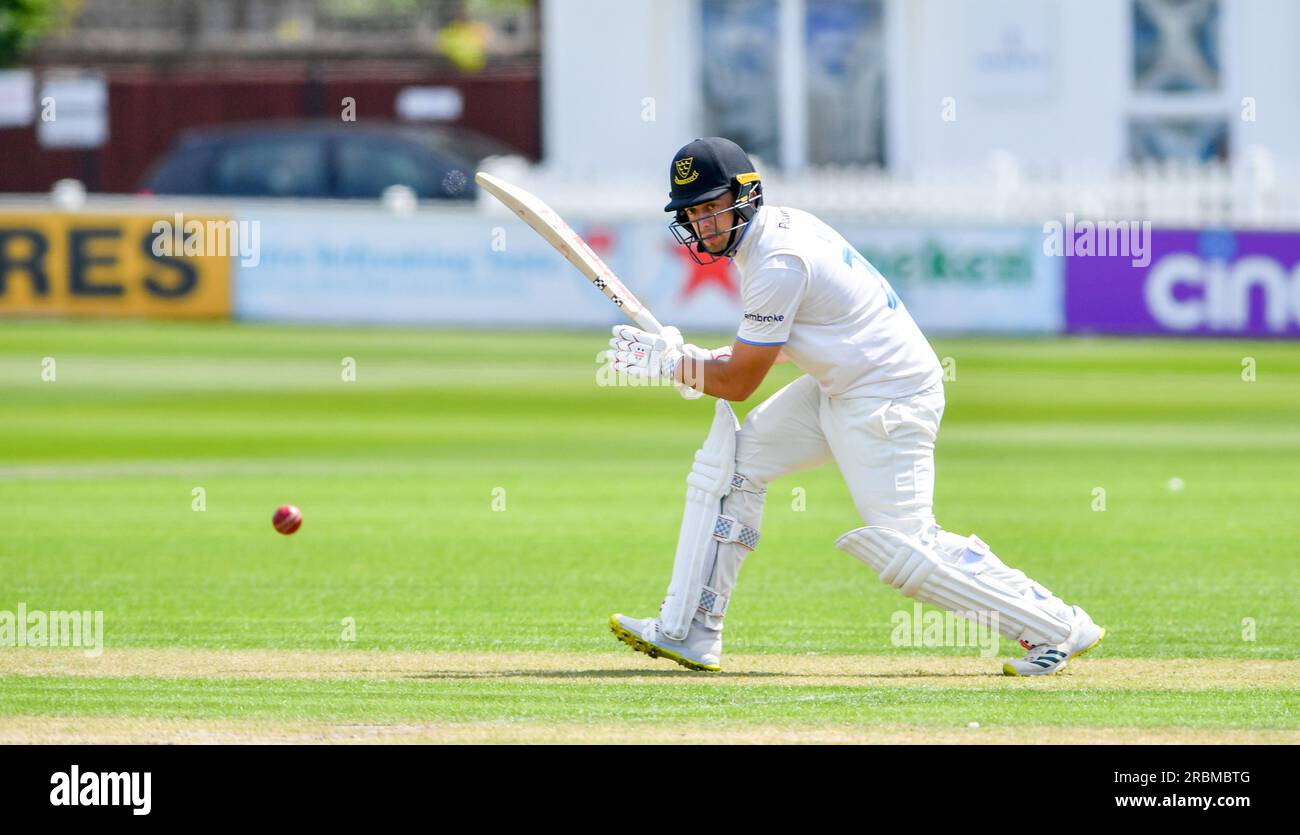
x: 968, y: 586
x: 709, y: 480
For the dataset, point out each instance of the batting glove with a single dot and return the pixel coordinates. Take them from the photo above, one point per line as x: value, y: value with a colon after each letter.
x: 652, y: 356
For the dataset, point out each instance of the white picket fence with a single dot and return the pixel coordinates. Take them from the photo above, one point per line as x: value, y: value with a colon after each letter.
x: 1257, y: 191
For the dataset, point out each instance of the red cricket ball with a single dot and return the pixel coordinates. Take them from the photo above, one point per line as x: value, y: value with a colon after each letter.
x: 287, y: 519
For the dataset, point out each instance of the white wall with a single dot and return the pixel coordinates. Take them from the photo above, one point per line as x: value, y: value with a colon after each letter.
x: 1075, y: 114
x: 1069, y: 110
x: 601, y: 58
x: 1268, y: 62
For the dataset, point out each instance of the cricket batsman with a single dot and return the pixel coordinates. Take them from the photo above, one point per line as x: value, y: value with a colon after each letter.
x: 871, y: 398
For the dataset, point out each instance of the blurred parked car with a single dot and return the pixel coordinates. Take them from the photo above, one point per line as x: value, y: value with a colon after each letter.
x: 323, y: 159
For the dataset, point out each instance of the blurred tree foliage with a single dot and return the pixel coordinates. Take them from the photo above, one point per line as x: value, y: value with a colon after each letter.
x: 23, y: 22
x: 367, y: 8
x: 469, y: 8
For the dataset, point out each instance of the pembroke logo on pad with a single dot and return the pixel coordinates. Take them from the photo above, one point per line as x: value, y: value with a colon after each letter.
x: 107, y: 788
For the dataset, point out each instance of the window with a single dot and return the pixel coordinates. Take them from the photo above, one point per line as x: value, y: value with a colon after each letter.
x: 369, y: 165
x: 273, y: 166
x: 184, y: 172
x: 1181, y: 108
x: 740, y: 74
x: 1176, y: 46
x: 1152, y: 139
x: 796, y: 81
x: 846, y: 81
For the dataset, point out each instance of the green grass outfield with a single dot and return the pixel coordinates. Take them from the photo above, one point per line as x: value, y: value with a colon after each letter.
x: 478, y: 506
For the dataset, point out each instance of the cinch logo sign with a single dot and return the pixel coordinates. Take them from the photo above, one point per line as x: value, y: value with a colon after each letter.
x: 104, y: 265
x: 1210, y: 282
x: 1186, y: 292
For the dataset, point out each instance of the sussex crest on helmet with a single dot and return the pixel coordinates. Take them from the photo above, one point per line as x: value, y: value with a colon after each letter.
x: 684, y: 173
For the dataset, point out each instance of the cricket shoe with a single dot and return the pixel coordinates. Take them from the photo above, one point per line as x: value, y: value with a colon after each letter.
x: 702, y: 649
x: 1045, y: 659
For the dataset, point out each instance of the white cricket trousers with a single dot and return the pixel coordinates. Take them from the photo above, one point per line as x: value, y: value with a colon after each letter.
x: 884, y: 448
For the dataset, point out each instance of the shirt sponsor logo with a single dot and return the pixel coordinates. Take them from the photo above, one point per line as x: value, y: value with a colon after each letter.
x: 765, y: 317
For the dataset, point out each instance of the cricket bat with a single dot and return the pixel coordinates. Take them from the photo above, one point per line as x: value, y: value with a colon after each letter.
x: 557, y: 233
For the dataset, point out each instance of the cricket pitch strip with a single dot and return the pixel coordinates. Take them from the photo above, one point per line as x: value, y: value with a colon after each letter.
x: 190, y: 696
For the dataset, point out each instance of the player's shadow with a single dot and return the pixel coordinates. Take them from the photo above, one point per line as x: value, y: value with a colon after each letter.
x: 621, y: 673
x: 581, y: 674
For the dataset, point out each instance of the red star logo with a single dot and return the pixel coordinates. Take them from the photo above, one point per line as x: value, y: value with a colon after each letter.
x: 600, y: 239
x: 702, y: 275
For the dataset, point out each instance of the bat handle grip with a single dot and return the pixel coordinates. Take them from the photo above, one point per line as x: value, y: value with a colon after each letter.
x: 646, y: 321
